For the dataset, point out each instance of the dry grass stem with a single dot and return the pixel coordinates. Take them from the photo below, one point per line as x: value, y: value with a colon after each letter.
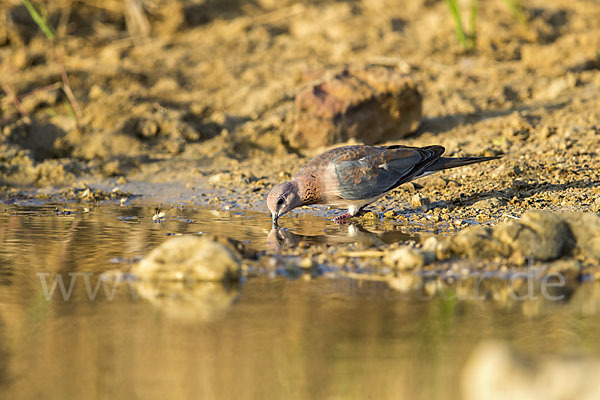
x: 137, y: 23
x: 11, y: 94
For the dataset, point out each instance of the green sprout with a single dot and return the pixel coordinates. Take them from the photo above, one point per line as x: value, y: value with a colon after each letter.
x: 39, y: 20
x: 465, y: 39
x: 516, y: 8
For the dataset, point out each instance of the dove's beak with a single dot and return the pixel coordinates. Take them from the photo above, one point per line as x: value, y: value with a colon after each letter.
x: 275, y: 218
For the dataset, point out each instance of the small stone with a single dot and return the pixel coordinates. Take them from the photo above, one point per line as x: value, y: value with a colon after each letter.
x: 18, y: 58
x: 190, y: 259
x: 406, y: 258
x: 369, y: 215
x: 431, y: 244
x: 418, y: 200
x: 547, y: 131
x: 389, y: 214
x: 220, y: 178
x: 121, y: 180
x: 435, y: 182
x: 410, y: 187
x: 219, y: 117
x: 490, y: 153
x: 596, y: 205
x: 477, y: 242
x: 147, y: 128
x: 487, y: 204
x: 111, y: 168
x: 96, y: 92
x: 306, y: 263
x: 86, y: 194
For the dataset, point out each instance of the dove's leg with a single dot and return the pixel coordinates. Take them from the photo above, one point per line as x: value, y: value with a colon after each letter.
x: 342, y: 217
x: 352, y: 211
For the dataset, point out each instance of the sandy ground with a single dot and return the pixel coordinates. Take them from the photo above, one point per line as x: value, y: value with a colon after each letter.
x: 195, y: 100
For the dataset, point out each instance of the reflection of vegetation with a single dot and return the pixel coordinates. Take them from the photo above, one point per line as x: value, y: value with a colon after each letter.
x: 467, y: 38
x: 434, y: 330
x: 437, y: 322
x: 38, y: 308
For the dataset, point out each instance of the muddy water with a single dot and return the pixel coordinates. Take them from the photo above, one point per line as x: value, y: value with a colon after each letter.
x: 269, y: 337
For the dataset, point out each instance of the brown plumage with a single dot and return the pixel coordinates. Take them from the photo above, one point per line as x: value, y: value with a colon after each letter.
x: 354, y: 176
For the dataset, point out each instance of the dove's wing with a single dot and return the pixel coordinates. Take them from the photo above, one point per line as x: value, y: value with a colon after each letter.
x: 382, y: 170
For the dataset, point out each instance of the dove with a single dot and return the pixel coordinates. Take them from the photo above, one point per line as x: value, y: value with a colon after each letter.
x: 352, y: 177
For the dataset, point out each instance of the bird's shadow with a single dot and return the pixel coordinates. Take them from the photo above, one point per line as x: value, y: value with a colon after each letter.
x: 519, y: 189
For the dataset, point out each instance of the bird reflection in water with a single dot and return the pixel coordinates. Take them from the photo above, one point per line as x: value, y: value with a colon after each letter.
x: 281, y: 238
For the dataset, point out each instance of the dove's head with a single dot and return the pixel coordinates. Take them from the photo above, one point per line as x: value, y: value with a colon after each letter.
x: 283, y: 198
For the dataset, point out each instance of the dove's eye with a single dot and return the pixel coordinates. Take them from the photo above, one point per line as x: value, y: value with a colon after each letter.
x: 280, y: 202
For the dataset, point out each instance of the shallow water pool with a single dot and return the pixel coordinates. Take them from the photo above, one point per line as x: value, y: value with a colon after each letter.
x: 269, y: 337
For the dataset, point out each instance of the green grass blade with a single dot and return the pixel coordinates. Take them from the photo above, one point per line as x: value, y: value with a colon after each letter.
x: 458, y: 25
x: 473, y: 23
x: 516, y: 8
x: 39, y: 20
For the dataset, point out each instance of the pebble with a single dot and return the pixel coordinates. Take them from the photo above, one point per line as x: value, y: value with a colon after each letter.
x: 370, y: 215
x: 418, y: 200
x: 306, y: 263
x: 596, y: 206
x: 220, y: 178
x: 486, y: 204
x: 408, y: 258
x: 389, y: 214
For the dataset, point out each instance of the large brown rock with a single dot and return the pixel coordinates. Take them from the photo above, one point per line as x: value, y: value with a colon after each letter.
x: 370, y: 105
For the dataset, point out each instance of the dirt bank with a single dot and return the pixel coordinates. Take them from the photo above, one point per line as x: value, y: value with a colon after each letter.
x: 198, y: 88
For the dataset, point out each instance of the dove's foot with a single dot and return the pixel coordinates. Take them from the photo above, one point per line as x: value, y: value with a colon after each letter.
x: 342, y: 218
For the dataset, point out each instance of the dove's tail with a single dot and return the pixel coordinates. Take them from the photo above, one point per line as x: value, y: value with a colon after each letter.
x: 451, y: 162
